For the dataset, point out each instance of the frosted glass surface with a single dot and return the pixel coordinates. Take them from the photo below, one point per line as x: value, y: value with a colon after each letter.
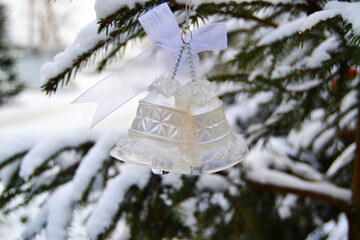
x: 181, y: 129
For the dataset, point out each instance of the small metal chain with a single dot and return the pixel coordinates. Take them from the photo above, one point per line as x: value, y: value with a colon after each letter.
x: 185, y: 46
x: 178, y: 59
x: 190, y: 61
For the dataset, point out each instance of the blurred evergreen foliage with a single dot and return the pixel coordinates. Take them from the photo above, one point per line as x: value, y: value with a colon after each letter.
x: 9, y: 83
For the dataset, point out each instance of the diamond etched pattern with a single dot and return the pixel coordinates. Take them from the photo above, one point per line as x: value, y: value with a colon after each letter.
x: 163, y: 122
x: 210, y: 125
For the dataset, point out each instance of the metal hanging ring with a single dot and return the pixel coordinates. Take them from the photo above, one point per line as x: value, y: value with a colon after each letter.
x: 184, y: 34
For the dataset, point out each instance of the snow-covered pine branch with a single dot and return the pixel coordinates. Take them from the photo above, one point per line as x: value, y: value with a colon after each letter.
x: 117, y: 28
x: 348, y: 11
x: 281, y: 182
x: 93, y: 41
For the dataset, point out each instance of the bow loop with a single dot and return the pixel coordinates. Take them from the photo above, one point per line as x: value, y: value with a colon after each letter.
x: 161, y: 26
x: 212, y: 37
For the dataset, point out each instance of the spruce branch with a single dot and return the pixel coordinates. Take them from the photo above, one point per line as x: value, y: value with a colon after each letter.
x: 20, y: 187
x: 120, y: 17
x: 78, y: 64
x: 230, y: 9
x: 305, y: 188
x: 126, y: 28
x: 116, y: 48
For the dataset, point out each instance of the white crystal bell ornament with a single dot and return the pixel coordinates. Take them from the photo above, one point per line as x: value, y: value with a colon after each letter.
x: 181, y: 129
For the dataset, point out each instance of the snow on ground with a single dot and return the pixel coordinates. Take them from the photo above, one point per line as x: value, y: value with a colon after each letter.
x: 32, y: 112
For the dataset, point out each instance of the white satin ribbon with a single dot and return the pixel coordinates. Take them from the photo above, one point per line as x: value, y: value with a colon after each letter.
x: 160, y: 25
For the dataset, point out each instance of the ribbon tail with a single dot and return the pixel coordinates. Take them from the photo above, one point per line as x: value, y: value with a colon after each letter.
x: 127, y: 82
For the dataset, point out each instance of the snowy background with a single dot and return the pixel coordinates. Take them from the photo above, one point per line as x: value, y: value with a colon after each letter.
x: 34, y: 119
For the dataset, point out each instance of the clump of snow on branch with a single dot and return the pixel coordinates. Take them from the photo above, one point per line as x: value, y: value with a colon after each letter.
x: 348, y: 11
x: 92, y: 162
x: 173, y: 180
x: 349, y: 100
x: 321, y: 140
x: 303, y: 86
x: 249, y: 107
x: 285, y: 30
x: 86, y: 39
x: 212, y: 182
x: 59, y: 212
x: 302, y: 177
x: 315, y: 18
x: 286, y: 205
x: 321, y: 52
x: 286, y: 181
x: 314, y: 133
x: 50, y: 145
x: 331, y: 230
x: 340, y: 230
x: 302, y: 139
x: 8, y: 171
x: 13, y: 146
x: 104, y: 8
x: 274, y: 155
x: 342, y: 160
x: 276, y: 148
x: 58, y: 209
x: 113, y: 195
x: 34, y: 226
x: 189, y: 208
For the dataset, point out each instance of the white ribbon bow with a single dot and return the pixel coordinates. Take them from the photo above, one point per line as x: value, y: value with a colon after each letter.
x: 160, y: 25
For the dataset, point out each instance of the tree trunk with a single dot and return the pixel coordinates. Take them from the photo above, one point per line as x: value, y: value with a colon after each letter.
x: 354, y: 224
x: 354, y: 215
x: 31, y: 23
